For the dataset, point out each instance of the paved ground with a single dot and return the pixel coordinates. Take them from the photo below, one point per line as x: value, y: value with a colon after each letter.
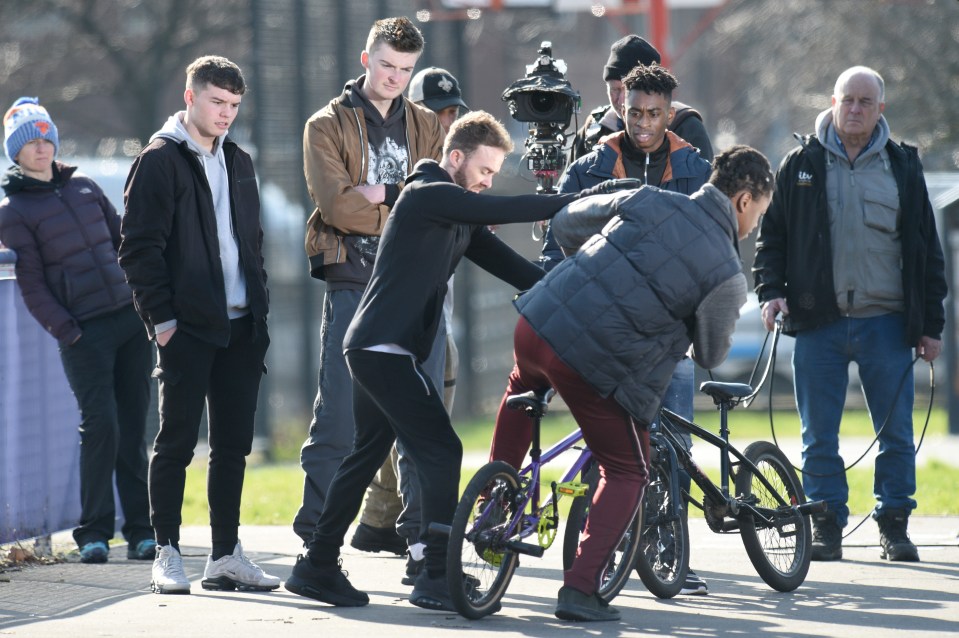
x: 861, y: 595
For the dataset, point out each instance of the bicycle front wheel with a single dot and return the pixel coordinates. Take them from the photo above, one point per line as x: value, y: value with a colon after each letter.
x: 663, y: 559
x: 478, y: 564
x: 623, y: 558
x: 781, y: 548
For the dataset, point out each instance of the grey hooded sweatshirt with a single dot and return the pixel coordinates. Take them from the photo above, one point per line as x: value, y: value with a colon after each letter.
x: 864, y: 222
x: 214, y: 166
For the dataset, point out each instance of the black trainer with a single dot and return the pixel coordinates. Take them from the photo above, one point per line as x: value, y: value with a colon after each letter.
x: 367, y: 538
x: 325, y: 584
x: 431, y: 593
x: 573, y: 604
x: 893, y: 537
x: 826, y: 537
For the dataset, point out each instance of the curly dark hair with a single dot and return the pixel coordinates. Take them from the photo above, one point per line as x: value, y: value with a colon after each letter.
x: 651, y: 79
x: 215, y: 70
x: 400, y: 33
x: 742, y: 168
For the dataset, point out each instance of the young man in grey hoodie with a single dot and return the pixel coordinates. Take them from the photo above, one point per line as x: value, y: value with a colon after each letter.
x: 191, y: 250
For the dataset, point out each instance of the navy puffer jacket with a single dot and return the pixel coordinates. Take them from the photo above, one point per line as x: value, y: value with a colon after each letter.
x: 621, y: 311
x: 65, y: 233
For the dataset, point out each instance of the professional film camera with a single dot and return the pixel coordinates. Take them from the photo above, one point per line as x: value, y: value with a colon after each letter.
x: 544, y: 99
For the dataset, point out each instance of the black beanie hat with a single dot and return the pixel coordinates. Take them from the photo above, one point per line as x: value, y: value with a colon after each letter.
x: 627, y: 53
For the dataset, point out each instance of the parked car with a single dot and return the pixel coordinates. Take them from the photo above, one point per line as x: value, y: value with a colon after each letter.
x: 748, y: 341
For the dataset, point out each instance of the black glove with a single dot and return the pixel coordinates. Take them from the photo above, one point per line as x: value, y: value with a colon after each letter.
x: 611, y: 186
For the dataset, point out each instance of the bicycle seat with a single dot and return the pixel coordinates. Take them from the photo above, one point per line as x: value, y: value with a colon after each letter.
x: 721, y: 391
x: 534, y: 402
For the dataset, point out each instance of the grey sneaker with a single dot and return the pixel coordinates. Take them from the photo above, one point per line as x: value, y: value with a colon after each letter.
x: 168, y: 574
x: 893, y: 537
x: 236, y: 571
x: 826, y: 537
x: 694, y: 585
x: 573, y: 604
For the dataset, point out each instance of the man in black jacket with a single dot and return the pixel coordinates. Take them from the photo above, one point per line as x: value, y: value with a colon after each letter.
x: 191, y: 250
x: 850, y: 256
x: 439, y: 218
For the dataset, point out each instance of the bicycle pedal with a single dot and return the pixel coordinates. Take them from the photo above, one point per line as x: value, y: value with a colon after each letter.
x: 572, y: 488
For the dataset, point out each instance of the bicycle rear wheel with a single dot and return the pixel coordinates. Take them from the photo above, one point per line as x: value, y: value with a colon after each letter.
x: 663, y: 559
x: 618, y: 569
x: 478, y: 564
x: 780, y: 551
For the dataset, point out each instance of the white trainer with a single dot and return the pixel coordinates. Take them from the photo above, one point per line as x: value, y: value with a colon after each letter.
x: 168, y: 574
x: 236, y: 571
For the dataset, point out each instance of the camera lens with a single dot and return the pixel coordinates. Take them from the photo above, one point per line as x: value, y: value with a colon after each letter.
x: 543, y: 102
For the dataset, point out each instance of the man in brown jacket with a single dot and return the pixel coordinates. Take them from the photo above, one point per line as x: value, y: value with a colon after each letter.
x: 357, y: 152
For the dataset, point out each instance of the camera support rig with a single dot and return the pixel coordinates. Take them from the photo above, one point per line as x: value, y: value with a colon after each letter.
x: 544, y: 99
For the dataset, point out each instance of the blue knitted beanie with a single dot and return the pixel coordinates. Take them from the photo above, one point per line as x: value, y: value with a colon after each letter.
x: 25, y: 121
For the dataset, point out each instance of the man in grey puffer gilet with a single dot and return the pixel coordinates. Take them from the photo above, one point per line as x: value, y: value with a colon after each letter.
x: 607, y: 327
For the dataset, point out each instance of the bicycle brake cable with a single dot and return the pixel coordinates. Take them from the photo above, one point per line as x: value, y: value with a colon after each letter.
x: 902, y: 381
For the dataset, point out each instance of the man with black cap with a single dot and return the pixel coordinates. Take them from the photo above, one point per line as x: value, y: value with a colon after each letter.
x: 438, y: 90
x: 625, y: 54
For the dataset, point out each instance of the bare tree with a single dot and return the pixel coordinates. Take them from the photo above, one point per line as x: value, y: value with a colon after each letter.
x: 113, y: 68
x: 774, y: 63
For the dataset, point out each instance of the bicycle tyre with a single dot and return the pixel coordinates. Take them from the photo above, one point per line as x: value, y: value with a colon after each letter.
x: 618, y: 570
x: 663, y: 560
x: 478, y: 565
x: 781, y: 554
x: 576, y: 517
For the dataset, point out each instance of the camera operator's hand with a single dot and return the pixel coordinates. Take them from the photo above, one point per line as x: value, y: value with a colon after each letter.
x: 611, y: 186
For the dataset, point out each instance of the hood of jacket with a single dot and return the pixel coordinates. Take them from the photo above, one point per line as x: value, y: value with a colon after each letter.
x: 15, y: 181
x: 174, y: 129
x: 826, y: 132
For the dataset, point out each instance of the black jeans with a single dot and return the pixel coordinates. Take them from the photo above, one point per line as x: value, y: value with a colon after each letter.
x: 109, y: 373
x: 393, y: 398
x: 192, y: 371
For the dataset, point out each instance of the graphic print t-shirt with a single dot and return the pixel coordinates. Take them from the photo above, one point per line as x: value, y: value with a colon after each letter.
x: 389, y: 163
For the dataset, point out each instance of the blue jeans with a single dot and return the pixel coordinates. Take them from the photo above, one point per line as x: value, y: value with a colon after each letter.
x: 679, y: 399
x: 820, y: 366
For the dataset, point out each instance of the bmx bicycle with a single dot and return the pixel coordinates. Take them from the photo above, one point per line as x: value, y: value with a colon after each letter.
x: 501, y: 516
x: 769, y: 509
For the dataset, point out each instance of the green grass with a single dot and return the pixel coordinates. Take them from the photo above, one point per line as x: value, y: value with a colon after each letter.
x: 749, y: 424
x: 272, y: 492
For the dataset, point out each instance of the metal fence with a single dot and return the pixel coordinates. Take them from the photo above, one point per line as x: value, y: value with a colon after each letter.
x: 39, y: 439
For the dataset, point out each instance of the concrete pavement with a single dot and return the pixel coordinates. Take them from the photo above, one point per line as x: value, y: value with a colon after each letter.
x: 861, y: 595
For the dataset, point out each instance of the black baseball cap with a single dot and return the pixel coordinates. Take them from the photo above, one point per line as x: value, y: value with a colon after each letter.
x: 436, y: 88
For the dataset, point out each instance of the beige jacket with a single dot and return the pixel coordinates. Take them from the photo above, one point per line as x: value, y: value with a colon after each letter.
x: 335, y: 159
